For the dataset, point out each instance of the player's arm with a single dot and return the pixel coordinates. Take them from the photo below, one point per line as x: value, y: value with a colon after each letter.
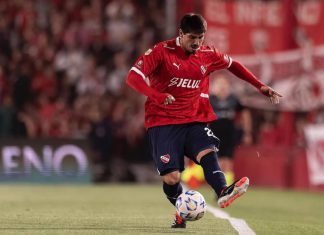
x: 137, y: 76
x: 243, y: 73
x: 138, y: 83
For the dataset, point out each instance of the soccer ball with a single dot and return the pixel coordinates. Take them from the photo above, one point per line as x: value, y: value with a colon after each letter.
x: 191, y: 205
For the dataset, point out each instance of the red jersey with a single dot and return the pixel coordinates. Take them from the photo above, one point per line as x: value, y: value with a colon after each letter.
x: 169, y: 69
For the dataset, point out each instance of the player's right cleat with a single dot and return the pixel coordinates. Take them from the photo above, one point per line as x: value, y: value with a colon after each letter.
x: 235, y: 190
x: 178, y: 222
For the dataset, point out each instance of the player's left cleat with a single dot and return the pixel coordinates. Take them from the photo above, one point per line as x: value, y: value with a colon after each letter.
x: 232, y: 192
x: 178, y: 222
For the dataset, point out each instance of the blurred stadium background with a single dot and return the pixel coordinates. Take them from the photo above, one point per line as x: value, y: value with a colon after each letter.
x: 66, y: 115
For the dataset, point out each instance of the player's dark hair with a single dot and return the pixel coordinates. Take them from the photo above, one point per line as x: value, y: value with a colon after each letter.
x: 193, y: 23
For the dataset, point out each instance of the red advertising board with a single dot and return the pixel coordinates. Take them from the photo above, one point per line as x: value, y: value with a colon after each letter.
x: 247, y: 27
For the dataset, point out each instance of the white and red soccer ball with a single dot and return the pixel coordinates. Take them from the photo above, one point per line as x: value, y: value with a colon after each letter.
x: 191, y: 205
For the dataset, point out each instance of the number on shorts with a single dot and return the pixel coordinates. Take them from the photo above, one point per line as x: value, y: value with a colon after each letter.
x: 210, y: 132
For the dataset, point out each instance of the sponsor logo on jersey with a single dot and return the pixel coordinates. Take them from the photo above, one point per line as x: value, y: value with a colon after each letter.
x: 165, y: 158
x: 184, y: 82
x: 177, y: 65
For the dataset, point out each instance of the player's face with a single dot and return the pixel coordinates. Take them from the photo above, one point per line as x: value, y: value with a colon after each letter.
x: 191, y: 42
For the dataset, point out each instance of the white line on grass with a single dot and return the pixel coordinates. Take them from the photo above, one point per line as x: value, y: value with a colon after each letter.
x: 238, y: 224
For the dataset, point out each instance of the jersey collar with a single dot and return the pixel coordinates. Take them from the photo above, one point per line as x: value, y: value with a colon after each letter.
x: 178, y: 44
x: 178, y: 41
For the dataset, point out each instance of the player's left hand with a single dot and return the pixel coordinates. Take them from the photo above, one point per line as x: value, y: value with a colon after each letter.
x: 272, y: 94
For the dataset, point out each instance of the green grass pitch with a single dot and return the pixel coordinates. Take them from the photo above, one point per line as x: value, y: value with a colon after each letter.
x: 142, y: 209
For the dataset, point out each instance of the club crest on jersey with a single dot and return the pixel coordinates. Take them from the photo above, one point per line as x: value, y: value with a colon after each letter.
x: 139, y: 64
x: 165, y: 158
x: 203, y: 69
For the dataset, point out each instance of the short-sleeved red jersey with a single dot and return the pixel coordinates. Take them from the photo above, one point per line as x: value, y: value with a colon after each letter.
x: 168, y: 69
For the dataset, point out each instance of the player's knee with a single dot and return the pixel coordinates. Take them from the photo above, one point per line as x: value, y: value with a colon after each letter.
x: 172, y: 178
x: 203, y: 153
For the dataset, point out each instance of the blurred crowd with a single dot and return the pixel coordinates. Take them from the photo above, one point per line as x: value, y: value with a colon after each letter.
x: 63, y: 66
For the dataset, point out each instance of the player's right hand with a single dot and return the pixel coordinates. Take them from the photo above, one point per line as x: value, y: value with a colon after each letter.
x: 163, y: 98
x: 169, y: 99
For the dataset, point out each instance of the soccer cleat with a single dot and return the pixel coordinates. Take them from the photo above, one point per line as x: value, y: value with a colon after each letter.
x: 178, y: 222
x: 235, y: 190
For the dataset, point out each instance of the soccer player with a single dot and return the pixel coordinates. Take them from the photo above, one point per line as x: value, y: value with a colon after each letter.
x: 227, y: 107
x: 174, y: 75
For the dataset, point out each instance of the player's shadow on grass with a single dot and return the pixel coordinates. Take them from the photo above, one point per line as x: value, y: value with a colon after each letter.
x: 156, y: 230
x: 115, y: 230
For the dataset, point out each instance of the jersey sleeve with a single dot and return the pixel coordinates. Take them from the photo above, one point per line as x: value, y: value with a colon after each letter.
x: 148, y: 62
x: 218, y: 60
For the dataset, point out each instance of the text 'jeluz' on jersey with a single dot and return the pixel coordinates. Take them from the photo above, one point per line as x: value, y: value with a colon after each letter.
x: 184, y: 82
